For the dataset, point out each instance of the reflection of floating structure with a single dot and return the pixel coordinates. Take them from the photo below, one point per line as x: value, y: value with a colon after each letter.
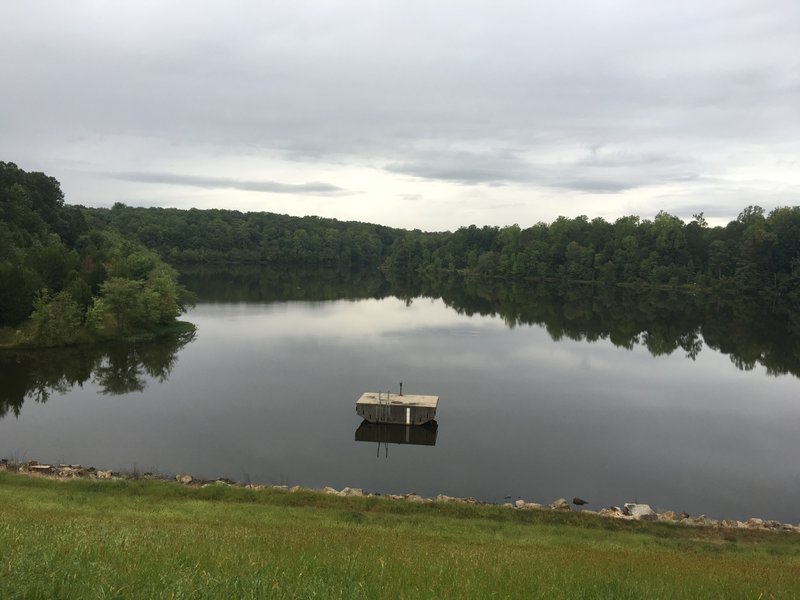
x: 391, y: 433
x: 377, y: 407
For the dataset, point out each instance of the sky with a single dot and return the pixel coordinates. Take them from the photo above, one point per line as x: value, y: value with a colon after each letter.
x: 429, y: 115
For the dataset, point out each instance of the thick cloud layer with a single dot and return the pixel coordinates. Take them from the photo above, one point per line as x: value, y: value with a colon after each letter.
x: 418, y: 114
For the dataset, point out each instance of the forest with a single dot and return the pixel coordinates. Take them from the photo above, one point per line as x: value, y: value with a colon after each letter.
x: 755, y: 253
x: 69, y: 273
x: 63, y: 281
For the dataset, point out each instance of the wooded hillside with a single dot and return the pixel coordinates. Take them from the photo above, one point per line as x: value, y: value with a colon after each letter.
x: 103, y: 269
x: 69, y: 281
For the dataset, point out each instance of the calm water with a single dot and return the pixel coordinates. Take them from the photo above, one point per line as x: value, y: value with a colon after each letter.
x: 266, y: 392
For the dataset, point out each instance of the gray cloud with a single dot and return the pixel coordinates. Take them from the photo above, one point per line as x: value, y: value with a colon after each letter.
x: 313, y: 188
x: 721, y: 201
x: 595, y: 172
x: 465, y: 167
x: 456, y: 93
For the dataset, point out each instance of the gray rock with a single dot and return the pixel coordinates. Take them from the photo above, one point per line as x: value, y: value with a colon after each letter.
x: 754, y: 523
x: 71, y: 472
x: 330, y: 490
x: 104, y: 474
x: 40, y: 469
x: 641, y: 512
x: 560, y: 504
x: 348, y: 491
x: 520, y: 503
x: 184, y: 478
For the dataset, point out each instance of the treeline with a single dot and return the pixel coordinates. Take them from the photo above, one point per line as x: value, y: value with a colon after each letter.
x: 754, y: 252
x: 214, y: 235
x: 64, y: 281
x: 73, y: 270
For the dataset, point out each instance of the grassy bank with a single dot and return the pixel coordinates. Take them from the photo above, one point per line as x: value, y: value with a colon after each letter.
x: 147, y: 539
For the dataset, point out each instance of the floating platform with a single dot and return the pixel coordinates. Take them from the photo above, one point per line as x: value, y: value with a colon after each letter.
x: 408, y: 409
x: 391, y: 433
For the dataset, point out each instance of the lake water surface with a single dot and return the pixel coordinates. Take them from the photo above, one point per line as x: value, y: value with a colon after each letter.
x: 266, y: 392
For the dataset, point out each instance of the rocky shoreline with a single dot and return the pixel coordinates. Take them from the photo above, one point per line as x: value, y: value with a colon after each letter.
x: 628, y: 511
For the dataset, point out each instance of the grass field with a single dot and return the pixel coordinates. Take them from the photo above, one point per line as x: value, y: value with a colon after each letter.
x: 151, y: 539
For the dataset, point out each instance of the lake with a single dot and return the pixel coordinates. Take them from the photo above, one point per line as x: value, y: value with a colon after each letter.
x: 681, y: 402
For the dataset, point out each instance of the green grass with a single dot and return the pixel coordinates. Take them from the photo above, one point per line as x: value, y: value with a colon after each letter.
x: 149, y: 539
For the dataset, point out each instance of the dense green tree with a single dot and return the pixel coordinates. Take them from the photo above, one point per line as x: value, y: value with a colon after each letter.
x: 57, y: 320
x: 54, y: 264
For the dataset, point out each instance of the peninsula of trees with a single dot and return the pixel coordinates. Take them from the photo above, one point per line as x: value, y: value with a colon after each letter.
x: 63, y: 281
x: 71, y: 273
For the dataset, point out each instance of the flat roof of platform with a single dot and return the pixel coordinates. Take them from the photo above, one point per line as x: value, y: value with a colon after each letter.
x: 398, y: 400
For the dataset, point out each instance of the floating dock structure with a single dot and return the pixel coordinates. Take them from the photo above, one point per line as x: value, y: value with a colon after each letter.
x: 409, y: 409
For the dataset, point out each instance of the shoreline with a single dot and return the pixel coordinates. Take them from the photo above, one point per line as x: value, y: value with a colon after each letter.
x: 627, y: 512
x: 20, y: 343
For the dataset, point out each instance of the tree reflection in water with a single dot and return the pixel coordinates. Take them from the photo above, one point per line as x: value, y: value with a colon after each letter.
x: 750, y: 330
x: 117, y: 368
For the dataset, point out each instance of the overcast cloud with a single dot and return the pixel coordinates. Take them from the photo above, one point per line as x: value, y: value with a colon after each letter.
x: 415, y: 114
x: 314, y: 188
